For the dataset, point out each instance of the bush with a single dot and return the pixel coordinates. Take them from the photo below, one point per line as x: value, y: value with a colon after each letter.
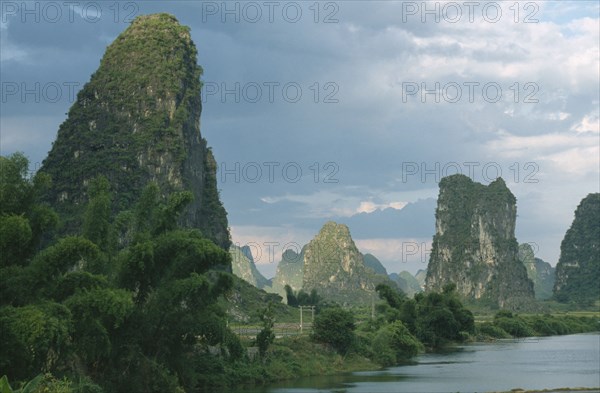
x: 335, y: 327
x: 394, y: 343
x: 492, y: 330
x: 382, y: 347
x: 516, y: 327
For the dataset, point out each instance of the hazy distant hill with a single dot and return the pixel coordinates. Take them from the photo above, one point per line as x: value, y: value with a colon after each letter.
x: 539, y: 272
x: 407, y: 283
x: 290, y: 271
x: 243, y: 266
x: 374, y: 264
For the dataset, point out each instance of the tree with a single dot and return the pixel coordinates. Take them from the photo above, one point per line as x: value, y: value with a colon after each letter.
x: 301, y: 298
x: 266, y: 336
x: 437, y: 318
x: 335, y: 326
x: 16, y: 189
x: 23, y: 222
x: 144, y: 323
x: 97, y: 217
x: 392, y: 297
x: 34, y: 338
x: 292, y: 301
x: 393, y: 343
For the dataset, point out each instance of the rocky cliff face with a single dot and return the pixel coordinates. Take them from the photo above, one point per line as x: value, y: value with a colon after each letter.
x: 474, y: 245
x: 539, y: 272
x: 578, y: 268
x: 138, y: 120
x: 420, y: 276
x: 336, y: 269
x: 242, y: 265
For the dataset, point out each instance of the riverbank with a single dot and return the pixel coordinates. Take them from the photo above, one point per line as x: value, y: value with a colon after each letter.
x: 561, y: 390
x: 294, y: 357
x: 291, y: 358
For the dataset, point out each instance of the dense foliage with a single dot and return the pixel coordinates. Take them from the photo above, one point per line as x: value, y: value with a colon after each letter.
x: 301, y: 298
x: 128, y: 305
x: 434, y: 318
x: 335, y: 326
x: 507, y: 324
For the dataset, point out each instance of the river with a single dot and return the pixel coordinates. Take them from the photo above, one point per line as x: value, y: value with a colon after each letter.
x: 531, y: 363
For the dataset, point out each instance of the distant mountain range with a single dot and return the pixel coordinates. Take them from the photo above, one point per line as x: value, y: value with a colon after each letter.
x: 474, y: 247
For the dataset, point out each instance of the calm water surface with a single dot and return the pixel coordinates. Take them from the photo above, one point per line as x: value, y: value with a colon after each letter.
x: 532, y: 363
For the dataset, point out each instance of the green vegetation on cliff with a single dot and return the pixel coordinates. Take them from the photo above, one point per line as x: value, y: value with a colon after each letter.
x: 578, y: 269
x: 135, y: 121
x: 474, y: 245
x: 336, y: 269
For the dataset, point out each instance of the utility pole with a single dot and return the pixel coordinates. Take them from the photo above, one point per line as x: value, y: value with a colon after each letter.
x: 301, y: 319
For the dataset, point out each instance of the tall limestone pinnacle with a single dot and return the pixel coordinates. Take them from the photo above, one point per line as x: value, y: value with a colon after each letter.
x: 138, y: 120
x: 474, y: 245
x: 578, y: 268
x: 336, y: 269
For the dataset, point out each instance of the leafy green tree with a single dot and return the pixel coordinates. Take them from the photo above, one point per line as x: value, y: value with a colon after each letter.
x: 97, y: 217
x: 266, y: 336
x: 512, y: 324
x: 17, y: 191
x: 393, y: 343
x: 335, y: 326
x: 15, y: 240
x: 301, y: 298
x: 392, y: 297
x: 143, y: 324
x: 97, y: 313
x: 292, y: 301
x: 34, y: 338
x: 314, y: 299
x: 435, y: 318
x: 23, y: 222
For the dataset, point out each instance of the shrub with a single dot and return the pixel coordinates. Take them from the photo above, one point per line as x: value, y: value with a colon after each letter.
x: 335, y: 326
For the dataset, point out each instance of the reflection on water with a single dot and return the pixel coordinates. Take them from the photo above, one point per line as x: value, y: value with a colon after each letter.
x: 534, y: 363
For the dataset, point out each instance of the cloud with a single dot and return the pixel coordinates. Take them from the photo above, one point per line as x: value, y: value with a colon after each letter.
x: 557, y: 154
x: 589, y: 123
x: 370, y: 207
x: 372, y: 130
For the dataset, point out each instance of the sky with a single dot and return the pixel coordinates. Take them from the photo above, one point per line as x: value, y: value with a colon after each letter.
x: 350, y: 111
